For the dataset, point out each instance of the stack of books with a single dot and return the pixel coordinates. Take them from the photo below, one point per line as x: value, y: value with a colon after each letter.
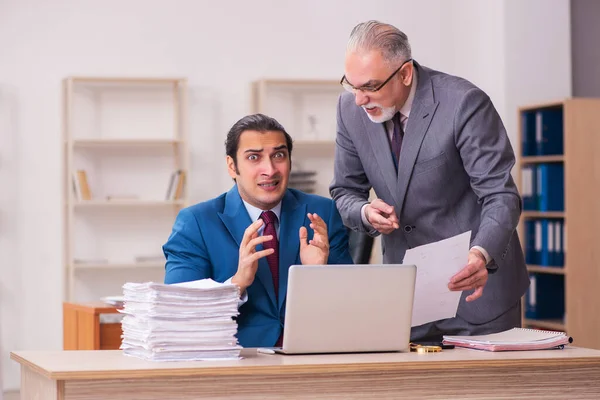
x: 186, y: 321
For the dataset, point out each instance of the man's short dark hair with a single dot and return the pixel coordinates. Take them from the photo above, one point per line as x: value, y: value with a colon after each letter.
x: 253, y: 122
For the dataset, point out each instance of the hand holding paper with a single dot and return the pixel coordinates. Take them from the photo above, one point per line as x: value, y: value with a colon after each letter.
x: 472, y: 277
x: 436, y: 264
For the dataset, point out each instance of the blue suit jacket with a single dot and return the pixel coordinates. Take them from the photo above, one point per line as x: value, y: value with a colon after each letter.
x: 205, y: 243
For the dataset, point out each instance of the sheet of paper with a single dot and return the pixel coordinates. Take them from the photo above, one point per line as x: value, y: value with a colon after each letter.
x: 436, y: 264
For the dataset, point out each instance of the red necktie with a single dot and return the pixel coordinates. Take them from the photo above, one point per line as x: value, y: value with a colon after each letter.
x: 269, y: 219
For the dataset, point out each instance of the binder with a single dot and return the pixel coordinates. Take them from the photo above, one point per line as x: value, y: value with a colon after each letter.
x: 531, y: 298
x: 558, y: 238
x: 556, y: 187
x: 550, y: 252
x: 549, y: 131
x: 528, y: 143
x: 545, y: 298
x: 550, y: 187
x: 529, y: 188
x: 545, y: 249
x: 537, y: 250
x: 530, y: 257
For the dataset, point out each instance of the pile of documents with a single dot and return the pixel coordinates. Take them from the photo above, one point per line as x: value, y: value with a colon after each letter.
x: 185, y: 321
x: 116, y: 301
x: 513, y: 339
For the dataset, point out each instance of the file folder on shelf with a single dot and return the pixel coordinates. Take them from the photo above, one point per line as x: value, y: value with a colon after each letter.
x: 529, y: 188
x: 550, y: 187
x: 545, y: 297
x: 549, y: 131
x: 528, y: 143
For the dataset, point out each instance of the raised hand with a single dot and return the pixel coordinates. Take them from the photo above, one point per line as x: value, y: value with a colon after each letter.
x: 248, y: 259
x: 315, y: 251
x: 382, y: 216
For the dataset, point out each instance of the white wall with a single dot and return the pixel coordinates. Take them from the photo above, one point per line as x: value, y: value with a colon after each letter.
x: 537, y: 55
x: 221, y: 47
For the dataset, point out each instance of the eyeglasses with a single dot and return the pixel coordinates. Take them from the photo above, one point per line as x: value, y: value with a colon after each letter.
x: 369, y: 89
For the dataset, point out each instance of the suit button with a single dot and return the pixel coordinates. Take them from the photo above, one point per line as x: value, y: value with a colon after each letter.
x: 408, y: 228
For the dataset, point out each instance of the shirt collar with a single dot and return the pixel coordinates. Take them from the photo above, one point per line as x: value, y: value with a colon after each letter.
x: 405, y: 110
x: 255, y: 212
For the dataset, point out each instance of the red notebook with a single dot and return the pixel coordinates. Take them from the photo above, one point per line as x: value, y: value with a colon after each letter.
x: 512, y: 339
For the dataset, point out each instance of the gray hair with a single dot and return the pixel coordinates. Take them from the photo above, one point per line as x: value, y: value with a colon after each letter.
x: 375, y: 35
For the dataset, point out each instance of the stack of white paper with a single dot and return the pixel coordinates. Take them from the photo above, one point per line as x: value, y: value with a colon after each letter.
x: 184, y: 321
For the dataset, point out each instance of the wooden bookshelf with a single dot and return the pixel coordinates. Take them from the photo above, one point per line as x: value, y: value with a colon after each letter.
x: 547, y: 270
x: 543, y: 214
x: 306, y: 108
x: 542, y: 159
x: 127, y: 203
x: 125, y: 80
x: 133, y: 265
x: 537, y: 106
x: 125, y: 139
x: 581, y: 140
x: 92, y: 143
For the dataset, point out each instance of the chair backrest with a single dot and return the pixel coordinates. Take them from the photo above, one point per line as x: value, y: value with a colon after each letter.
x: 360, y: 245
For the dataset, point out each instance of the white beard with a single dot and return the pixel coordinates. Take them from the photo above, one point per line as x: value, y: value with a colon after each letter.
x: 387, y: 113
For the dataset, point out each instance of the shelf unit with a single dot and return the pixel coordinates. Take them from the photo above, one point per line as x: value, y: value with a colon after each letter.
x: 555, y: 325
x: 580, y: 272
x: 124, y: 142
x: 126, y: 203
x: 543, y: 214
x: 546, y: 270
x: 307, y: 110
x: 129, y: 135
x: 108, y: 266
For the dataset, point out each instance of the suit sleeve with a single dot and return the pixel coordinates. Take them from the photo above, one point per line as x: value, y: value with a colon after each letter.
x: 350, y: 186
x: 185, y: 251
x: 488, y: 158
x: 338, y: 239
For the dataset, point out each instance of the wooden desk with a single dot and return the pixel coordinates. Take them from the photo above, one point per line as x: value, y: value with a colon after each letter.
x: 82, y: 329
x: 571, y: 373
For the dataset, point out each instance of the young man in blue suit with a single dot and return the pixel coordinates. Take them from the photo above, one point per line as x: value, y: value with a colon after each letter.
x: 251, y: 235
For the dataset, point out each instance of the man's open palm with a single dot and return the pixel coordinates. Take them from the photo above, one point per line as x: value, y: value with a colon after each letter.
x: 315, y: 251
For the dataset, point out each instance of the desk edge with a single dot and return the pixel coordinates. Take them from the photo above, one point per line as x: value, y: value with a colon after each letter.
x: 301, y: 369
x: 34, y: 367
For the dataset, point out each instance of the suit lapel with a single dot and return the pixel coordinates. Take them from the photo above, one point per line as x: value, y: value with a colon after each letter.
x: 292, y: 217
x: 421, y: 114
x: 236, y: 219
x: 381, y: 148
x: 234, y: 216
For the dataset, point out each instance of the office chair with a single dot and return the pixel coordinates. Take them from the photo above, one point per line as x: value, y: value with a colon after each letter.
x: 360, y: 246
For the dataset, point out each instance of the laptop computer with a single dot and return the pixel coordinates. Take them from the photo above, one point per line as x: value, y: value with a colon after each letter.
x: 348, y: 308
